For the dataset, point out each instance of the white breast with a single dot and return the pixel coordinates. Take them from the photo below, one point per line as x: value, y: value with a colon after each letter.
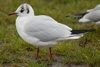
x: 20, y: 25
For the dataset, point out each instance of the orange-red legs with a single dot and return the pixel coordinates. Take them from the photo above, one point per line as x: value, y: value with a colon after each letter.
x: 47, y: 57
x: 50, y: 52
x: 37, y: 52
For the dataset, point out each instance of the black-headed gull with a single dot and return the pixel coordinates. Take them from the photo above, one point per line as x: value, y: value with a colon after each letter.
x: 92, y: 15
x: 42, y: 31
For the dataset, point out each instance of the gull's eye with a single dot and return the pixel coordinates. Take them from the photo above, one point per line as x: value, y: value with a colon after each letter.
x: 22, y: 11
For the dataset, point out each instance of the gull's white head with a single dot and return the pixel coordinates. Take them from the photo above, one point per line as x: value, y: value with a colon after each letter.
x: 23, y: 10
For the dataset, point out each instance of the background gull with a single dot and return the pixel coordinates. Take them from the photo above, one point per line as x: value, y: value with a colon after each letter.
x: 91, y: 15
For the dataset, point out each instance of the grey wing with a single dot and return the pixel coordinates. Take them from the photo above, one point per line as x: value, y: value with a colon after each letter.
x: 97, y: 7
x: 46, y: 30
x: 93, y: 16
x: 94, y: 9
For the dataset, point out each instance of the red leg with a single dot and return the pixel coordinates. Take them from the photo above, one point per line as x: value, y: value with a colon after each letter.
x: 49, y: 57
x: 50, y: 52
x: 37, y: 52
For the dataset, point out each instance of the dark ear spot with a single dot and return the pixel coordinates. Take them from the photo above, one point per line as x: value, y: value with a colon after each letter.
x: 27, y: 10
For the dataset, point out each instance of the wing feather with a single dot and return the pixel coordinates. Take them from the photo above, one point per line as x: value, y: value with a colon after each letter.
x: 46, y: 29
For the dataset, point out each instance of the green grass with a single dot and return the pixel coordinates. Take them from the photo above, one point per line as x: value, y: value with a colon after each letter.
x: 14, y: 52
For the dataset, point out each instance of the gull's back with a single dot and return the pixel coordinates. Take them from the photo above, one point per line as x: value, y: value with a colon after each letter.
x: 46, y: 29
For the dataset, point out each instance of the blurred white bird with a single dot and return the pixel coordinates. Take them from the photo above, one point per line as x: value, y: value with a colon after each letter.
x: 92, y: 15
x: 42, y: 30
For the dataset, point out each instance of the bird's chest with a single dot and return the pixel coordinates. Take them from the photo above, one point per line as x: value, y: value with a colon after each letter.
x: 20, y: 26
